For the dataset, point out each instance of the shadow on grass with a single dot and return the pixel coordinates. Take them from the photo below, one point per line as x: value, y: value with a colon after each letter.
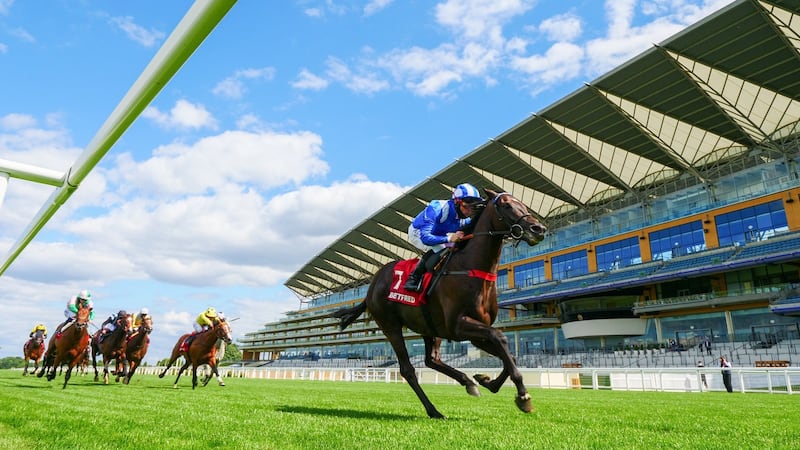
x: 351, y: 413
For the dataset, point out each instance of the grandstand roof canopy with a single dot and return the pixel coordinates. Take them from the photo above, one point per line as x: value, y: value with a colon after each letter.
x: 729, y: 81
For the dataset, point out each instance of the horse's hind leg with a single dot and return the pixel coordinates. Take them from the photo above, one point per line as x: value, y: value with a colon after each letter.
x: 432, y: 360
x: 395, y: 337
x: 183, y: 367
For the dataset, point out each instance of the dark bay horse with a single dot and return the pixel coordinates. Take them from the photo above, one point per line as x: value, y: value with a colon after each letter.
x: 67, y: 347
x: 202, y: 350
x: 33, y: 351
x: 112, y: 347
x: 136, y: 348
x: 461, y: 306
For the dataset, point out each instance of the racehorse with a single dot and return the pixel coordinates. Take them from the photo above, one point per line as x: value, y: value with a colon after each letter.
x: 461, y: 305
x: 67, y: 347
x: 33, y: 349
x: 136, y: 347
x: 112, y: 347
x: 202, y: 350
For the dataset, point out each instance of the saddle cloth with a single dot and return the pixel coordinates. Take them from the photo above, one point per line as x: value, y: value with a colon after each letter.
x: 401, y: 272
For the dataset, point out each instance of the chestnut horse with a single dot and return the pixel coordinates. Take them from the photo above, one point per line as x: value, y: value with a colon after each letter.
x: 67, y: 347
x: 112, y: 347
x: 202, y: 350
x: 461, y: 305
x: 136, y: 347
x: 33, y: 351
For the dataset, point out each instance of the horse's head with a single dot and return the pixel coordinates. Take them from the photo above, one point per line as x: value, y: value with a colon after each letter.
x: 125, y: 322
x: 82, y: 317
x: 223, y: 331
x: 38, y: 337
x: 514, y: 216
x: 147, y: 324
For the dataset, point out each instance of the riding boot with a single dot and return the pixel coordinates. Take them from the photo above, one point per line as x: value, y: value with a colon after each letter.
x: 414, y: 282
x: 61, y: 328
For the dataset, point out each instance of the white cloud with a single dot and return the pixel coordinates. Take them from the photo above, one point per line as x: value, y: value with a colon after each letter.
x: 22, y: 34
x: 309, y: 81
x: 480, y: 19
x: 137, y: 33
x: 562, y: 61
x: 364, y: 82
x: 184, y: 115
x: 562, y: 28
x: 5, y: 5
x: 3, y: 48
x: 375, y: 6
x: 234, y: 85
x: 14, y: 121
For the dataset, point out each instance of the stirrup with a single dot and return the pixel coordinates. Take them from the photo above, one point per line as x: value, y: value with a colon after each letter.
x: 413, y: 286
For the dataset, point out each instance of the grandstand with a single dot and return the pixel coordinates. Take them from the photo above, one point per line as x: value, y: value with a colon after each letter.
x: 671, y: 190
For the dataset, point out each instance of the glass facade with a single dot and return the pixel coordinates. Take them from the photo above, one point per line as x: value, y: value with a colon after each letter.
x: 528, y: 274
x: 618, y: 254
x: 570, y: 265
x: 677, y: 241
x: 751, y: 224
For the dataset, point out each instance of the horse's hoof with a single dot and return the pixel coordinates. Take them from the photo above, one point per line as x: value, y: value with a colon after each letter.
x: 174, y: 386
x: 436, y: 415
x: 161, y: 375
x: 473, y: 390
x: 524, y: 403
x: 221, y: 384
x: 481, y: 378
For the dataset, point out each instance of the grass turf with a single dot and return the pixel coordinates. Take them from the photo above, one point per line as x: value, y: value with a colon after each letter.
x: 289, y: 414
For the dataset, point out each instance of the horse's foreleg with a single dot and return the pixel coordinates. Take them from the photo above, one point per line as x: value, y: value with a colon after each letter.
x: 433, y: 361
x: 495, y: 343
x: 395, y: 337
x: 67, y: 375
x: 94, y: 364
x: 215, y: 372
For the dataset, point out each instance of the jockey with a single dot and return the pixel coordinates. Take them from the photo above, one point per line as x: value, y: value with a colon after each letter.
x: 82, y: 300
x: 39, y: 327
x: 139, y: 317
x: 438, y: 226
x: 205, y: 321
x: 111, y: 323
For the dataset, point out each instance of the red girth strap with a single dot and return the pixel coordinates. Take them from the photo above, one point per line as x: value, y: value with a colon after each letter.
x: 488, y: 276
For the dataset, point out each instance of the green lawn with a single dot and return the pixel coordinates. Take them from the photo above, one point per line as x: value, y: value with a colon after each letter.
x: 270, y: 414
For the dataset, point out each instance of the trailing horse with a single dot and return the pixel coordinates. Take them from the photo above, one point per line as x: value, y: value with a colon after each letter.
x: 460, y: 306
x: 136, y: 347
x: 202, y: 350
x: 67, y: 347
x: 33, y: 349
x: 112, y: 348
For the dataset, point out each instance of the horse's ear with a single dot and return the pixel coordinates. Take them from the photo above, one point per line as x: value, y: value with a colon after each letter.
x: 490, y: 194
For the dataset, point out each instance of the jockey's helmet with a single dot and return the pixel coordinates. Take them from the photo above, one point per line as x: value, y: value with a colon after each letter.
x: 144, y: 312
x: 122, y: 314
x: 84, y: 295
x: 467, y: 193
x: 211, y: 312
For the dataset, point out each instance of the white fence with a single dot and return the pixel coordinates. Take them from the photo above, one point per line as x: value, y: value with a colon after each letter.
x: 745, y: 379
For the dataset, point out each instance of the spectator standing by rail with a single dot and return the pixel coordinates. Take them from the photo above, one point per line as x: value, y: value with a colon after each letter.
x: 726, y: 373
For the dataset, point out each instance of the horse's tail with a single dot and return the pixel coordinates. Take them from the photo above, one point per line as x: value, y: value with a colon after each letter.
x: 347, y: 316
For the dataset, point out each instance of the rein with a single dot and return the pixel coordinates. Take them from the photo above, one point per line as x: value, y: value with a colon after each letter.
x: 516, y: 231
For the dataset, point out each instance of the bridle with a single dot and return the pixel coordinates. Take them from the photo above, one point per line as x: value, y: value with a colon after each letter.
x: 515, y: 230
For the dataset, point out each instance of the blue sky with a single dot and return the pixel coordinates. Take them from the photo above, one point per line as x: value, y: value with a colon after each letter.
x: 292, y: 123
